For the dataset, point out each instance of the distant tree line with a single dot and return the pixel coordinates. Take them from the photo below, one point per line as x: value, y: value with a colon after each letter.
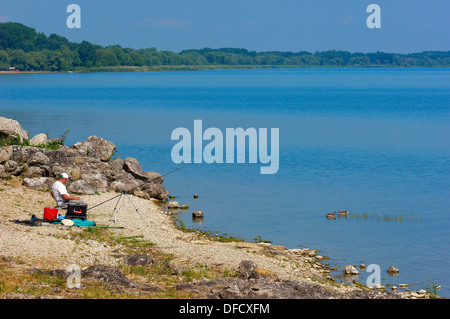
x: 23, y: 48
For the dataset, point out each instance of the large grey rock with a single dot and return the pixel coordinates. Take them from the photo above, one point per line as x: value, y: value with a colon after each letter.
x: 247, y: 270
x: 5, y: 153
x: 10, y: 129
x: 3, y: 173
x: 97, y: 181
x: 125, y: 182
x: 141, y: 194
x: 81, y: 187
x: 105, y: 273
x: 39, y: 139
x: 96, y: 147
x: 20, y: 154
x: 39, y: 183
x: 116, y: 164
x: 132, y: 166
x: 38, y: 158
x: 155, y: 190
x: 63, y: 158
x: 10, y: 166
x: 33, y: 171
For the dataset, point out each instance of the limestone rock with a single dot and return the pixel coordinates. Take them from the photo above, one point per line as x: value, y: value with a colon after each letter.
x: 155, y: 191
x: 132, y: 166
x: 116, y: 164
x: 10, y: 166
x: 126, y: 182
x: 38, y: 158
x: 5, y: 153
x: 10, y: 129
x: 96, y: 180
x: 350, y: 270
x: 81, y: 187
x: 96, y: 147
x: 392, y: 271
x: 32, y: 172
x: 39, y: 139
x: 63, y: 157
x: 422, y: 291
x: 173, y: 205
x: 39, y: 183
x: 141, y: 194
x: 247, y: 270
x: 197, y: 214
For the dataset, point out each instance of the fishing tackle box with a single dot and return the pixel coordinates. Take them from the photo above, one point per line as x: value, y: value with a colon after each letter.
x: 76, y: 211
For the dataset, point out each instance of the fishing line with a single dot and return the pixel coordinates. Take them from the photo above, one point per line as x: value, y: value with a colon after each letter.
x: 139, y: 186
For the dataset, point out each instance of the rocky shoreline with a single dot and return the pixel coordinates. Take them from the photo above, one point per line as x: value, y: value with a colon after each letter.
x: 136, y: 261
x: 88, y: 163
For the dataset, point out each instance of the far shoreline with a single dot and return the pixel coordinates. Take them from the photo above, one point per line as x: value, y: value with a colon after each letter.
x: 161, y: 68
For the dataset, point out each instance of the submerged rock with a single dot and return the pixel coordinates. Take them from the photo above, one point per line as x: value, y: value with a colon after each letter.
x: 350, y: 270
x: 197, y: 214
x: 392, y: 271
x: 173, y: 205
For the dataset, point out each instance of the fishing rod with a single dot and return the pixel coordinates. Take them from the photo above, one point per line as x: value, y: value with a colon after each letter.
x: 139, y: 186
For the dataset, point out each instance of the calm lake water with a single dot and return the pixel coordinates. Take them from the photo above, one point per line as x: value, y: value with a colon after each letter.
x: 373, y: 142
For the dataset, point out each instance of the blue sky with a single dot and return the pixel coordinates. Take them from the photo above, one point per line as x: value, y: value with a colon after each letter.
x: 259, y: 25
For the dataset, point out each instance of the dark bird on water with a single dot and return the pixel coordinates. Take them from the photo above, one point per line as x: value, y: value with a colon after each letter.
x: 331, y: 216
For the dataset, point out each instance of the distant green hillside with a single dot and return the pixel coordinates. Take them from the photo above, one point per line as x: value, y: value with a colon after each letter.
x: 23, y: 48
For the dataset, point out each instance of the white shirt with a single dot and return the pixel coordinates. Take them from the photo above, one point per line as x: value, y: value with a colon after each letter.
x: 58, y: 190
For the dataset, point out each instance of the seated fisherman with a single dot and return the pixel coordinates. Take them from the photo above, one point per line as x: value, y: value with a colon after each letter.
x: 60, y: 194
